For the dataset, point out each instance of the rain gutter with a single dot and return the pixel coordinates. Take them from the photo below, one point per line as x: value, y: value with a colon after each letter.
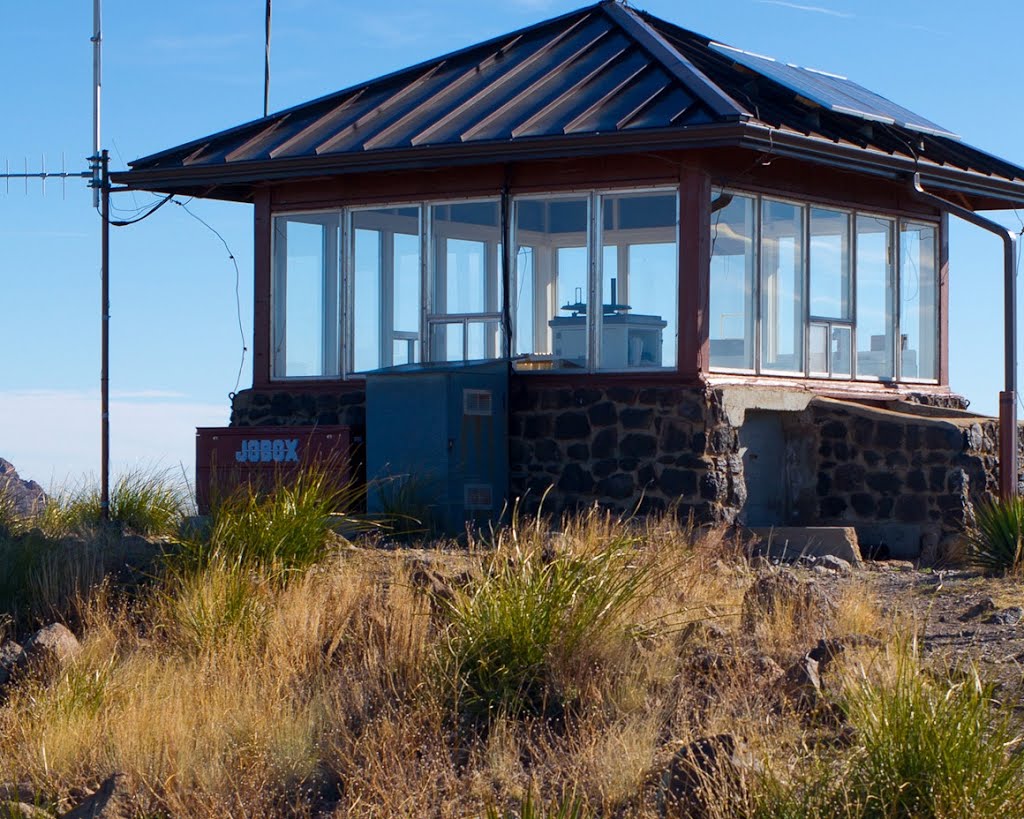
x: 1008, y: 467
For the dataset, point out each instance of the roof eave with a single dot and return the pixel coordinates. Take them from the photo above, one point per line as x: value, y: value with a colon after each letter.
x: 992, y: 193
x: 235, y: 181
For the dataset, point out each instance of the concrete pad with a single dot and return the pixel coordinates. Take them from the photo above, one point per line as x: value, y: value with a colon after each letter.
x: 789, y: 542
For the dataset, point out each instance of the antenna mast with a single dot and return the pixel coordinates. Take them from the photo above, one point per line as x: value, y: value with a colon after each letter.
x: 266, y: 68
x: 97, y: 87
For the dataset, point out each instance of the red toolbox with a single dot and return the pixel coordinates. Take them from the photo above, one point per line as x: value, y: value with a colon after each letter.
x: 226, y: 457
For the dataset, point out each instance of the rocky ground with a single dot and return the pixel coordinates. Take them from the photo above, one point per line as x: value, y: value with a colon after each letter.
x: 960, y: 617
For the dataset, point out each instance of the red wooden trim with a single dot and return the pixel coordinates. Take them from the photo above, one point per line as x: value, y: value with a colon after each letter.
x: 694, y: 264
x: 261, y: 353
x: 944, y: 300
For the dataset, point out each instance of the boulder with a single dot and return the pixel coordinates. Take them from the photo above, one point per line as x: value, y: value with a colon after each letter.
x: 10, y: 658
x: 985, y: 605
x: 803, y: 683
x: 54, y: 644
x: 782, y: 593
x: 832, y: 563
x: 27, y: 497
x: 111, y: 801
x: 699, y: 776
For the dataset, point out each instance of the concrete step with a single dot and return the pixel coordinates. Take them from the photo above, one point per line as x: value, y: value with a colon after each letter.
x: 790, y: 542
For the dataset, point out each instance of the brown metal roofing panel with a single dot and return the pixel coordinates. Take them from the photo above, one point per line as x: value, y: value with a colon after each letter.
x: 554, y: 117
x: 311, y: 134
x: 259, y: 145
x: 548, y: 88
x: 621, y: 100
x: 494, y: 96
x: 499, y: 67
x: 374, y: 117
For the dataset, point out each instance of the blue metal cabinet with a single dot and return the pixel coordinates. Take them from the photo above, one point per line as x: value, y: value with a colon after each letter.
x: 437, y: 442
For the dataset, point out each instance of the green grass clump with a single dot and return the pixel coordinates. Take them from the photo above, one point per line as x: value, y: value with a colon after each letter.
x: 290, y: 526
x: 141, y: 502
x: 523, y: 639
x: 925, y: 746
x: 995, y: 543
x: 934, y: 748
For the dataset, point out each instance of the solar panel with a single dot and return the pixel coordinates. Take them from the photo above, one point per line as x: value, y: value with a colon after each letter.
x: 833, y: 92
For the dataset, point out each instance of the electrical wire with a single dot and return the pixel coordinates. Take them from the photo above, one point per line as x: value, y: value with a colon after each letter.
x: 137, y: 219
x: 238, y: 280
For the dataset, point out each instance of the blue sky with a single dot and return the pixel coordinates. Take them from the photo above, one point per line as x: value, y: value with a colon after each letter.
x: 176, y: 71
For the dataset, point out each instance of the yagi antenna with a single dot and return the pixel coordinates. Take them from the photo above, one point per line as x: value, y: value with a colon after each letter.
x: 95, y: 172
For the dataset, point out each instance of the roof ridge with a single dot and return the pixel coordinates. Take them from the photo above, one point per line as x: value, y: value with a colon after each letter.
x: 695, y: 80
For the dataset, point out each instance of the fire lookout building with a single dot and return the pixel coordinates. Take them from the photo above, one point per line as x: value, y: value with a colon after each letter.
x: 695, y: 276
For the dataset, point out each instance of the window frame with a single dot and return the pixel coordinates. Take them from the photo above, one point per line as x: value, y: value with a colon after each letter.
x: 344, y: 265
x: 898, y: 222
x: 277, y: 305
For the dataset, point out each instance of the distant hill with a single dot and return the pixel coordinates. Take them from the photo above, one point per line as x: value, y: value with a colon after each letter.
x: 28, y: 496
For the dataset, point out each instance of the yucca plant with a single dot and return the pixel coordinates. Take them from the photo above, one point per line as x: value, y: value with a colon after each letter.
x: 995, y: 542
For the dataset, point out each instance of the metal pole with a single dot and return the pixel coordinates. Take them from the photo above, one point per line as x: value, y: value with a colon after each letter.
x: 1008, y: 459
x: 105, y: 337
x: 97, y: 86
x: 266, y: 71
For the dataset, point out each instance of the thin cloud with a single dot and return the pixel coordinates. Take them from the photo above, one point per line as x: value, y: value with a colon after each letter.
x: 52, y: 436
x: 810, y: 9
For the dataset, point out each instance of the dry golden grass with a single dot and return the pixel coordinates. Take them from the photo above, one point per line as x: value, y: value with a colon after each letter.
x: 232, y: 691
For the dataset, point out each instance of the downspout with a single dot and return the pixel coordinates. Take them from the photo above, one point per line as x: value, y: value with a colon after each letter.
x: 1008, y: 397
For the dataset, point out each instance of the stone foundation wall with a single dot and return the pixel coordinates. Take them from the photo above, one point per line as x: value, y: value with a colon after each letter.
x: 251, y: 408
x: 878, y: 469
x: 624, y: 447
x: 882, y: 467
x: 648, y: 448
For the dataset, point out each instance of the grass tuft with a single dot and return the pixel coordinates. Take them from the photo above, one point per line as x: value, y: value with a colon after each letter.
x: 523, y: 640
x: 141, y: 502
x: 289, y: 527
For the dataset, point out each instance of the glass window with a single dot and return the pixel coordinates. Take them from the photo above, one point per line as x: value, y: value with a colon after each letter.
x: 465, y: 281
x: 551, y: 282
x: 782, y: 283
x: 639, y: 282
x: 732, y: 282
x: 830, y: 264
x: 386, y: 288
x: 919, y: 293
x: 876, y: 298
x: 305, y: 296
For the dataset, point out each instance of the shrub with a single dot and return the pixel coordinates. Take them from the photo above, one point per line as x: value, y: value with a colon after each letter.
x: 288, y: 527
x: 224, y: 603
x: 995, y: 543
x: 540, y: 619
x: 42, y: 579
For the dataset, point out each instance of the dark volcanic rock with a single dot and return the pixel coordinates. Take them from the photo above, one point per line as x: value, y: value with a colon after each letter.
x: 28, y: 496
